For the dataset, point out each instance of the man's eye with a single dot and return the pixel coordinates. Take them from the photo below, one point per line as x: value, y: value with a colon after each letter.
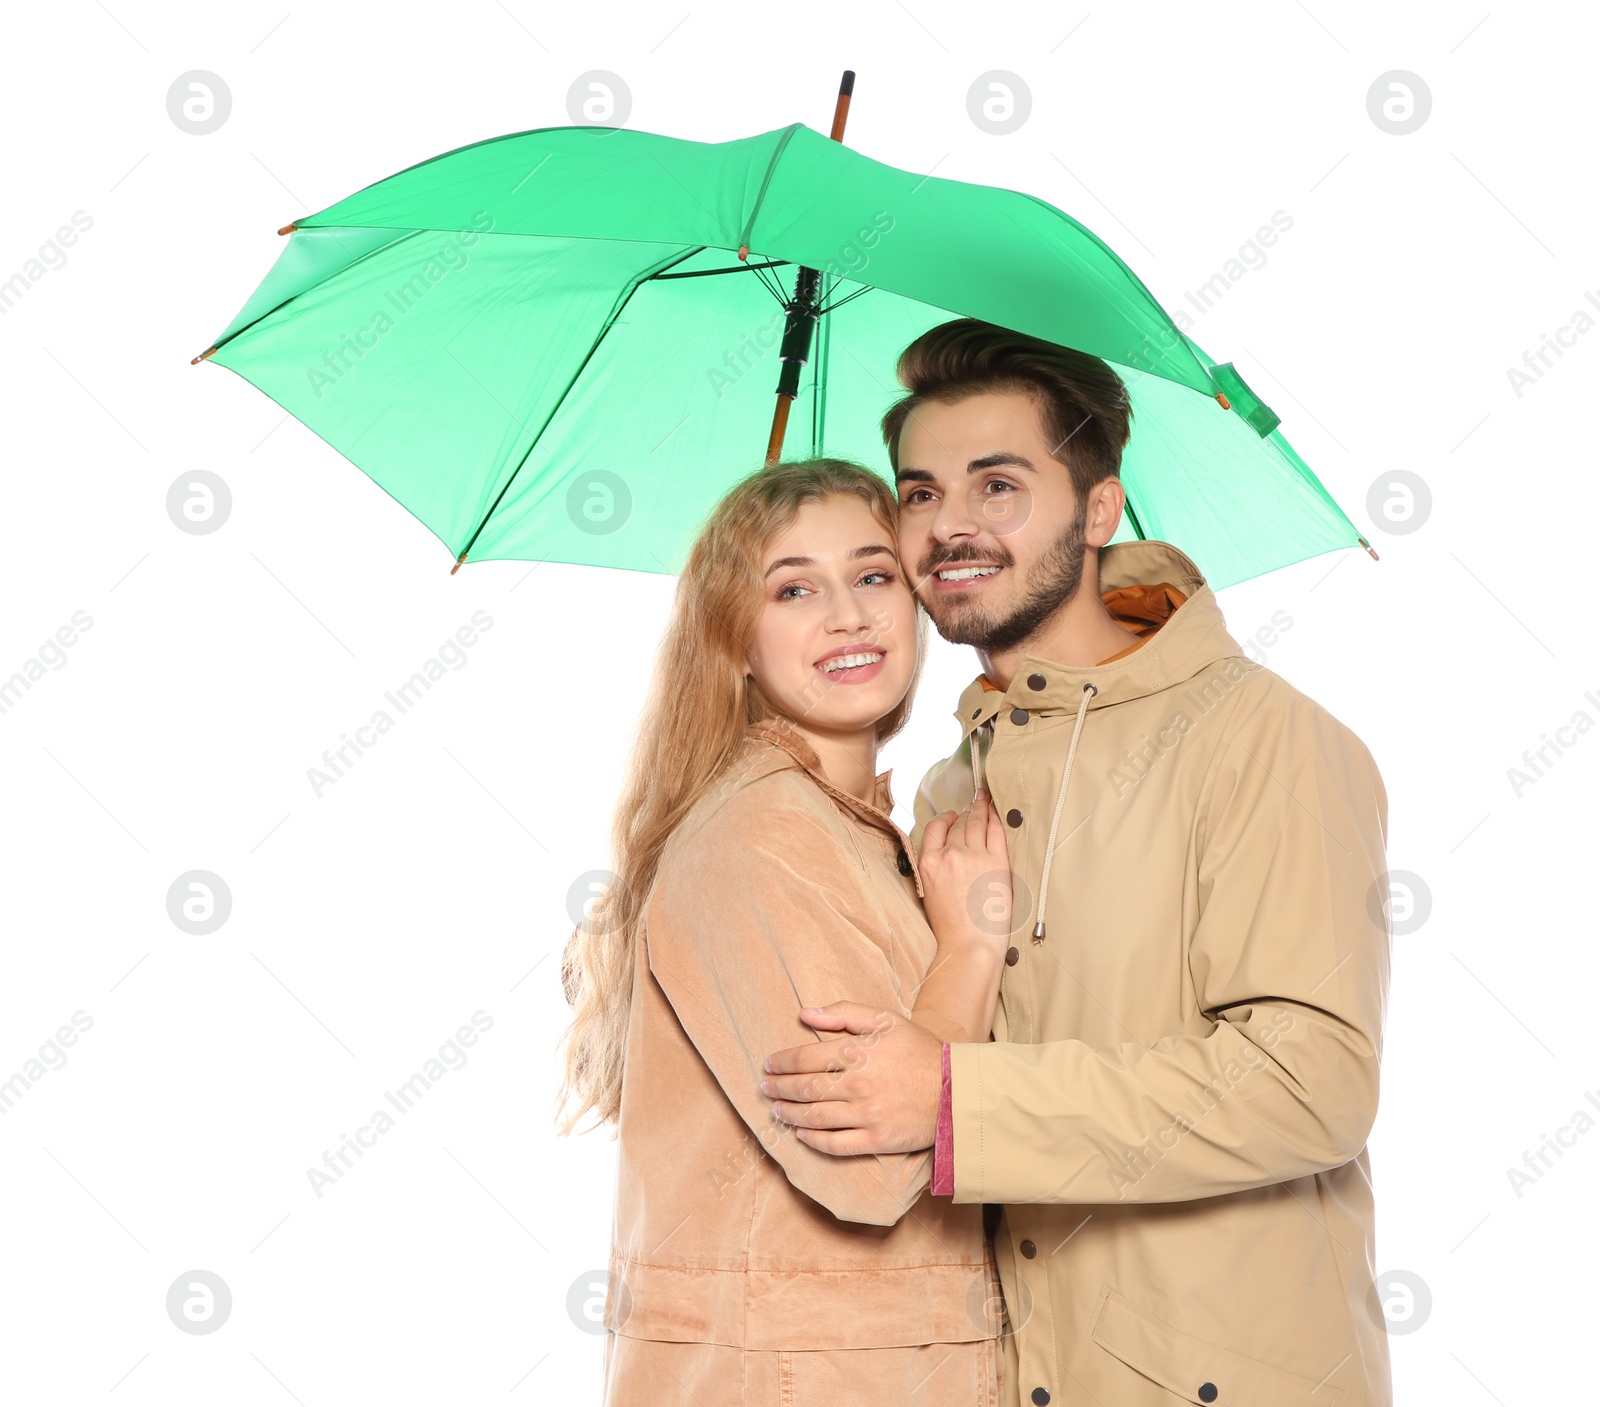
x: 915, y: 496
x: 999, y: 483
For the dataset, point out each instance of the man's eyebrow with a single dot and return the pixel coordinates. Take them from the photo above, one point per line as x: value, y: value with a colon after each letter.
x: 871, y: 550
x: 988, y: 461
x: 992, y: 461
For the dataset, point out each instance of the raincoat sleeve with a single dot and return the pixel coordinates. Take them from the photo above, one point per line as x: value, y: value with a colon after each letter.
x: 760, y: 913
x: 1275, y: 1074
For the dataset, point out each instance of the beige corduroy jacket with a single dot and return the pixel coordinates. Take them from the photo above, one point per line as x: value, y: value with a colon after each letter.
x: 747, y: 1267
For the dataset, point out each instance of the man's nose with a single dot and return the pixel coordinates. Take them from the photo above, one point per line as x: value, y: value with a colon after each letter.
x: 954, y: 519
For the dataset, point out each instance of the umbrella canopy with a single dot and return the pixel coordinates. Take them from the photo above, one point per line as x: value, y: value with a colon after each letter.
x: 562, y: 345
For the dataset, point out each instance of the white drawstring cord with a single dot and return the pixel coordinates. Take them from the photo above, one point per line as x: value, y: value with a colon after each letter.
x: 1089, y: 691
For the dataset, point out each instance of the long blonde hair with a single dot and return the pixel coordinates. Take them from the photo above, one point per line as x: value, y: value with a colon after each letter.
x: 680, y: 751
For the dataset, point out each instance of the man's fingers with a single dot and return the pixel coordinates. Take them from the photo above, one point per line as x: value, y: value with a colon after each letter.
x: 810, y: 1059
x: 840, y: 1144
x: 830, y: 1114
x: 855, y: 1017
x: 809, y: 1088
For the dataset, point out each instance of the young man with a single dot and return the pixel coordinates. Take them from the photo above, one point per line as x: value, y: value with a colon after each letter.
x: 1174, y: 1105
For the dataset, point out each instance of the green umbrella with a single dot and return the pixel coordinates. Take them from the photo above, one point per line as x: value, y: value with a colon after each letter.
x: 562, y: 345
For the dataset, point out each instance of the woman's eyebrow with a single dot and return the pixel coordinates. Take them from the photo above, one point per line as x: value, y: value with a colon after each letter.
x: 871, y: 550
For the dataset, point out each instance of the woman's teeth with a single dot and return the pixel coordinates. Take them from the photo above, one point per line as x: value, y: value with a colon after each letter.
x: 963, y: 573
x: 851, y: 661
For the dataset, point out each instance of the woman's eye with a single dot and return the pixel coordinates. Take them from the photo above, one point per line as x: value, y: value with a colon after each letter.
x: 783, y: 591
x: 882, y: 574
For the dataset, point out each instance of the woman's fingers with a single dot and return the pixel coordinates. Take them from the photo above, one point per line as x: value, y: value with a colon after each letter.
x: 997, y: 838
x: 977, y: 826
x: 936, y: 834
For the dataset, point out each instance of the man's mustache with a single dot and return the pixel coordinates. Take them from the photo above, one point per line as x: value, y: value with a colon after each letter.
x: 930, y: 564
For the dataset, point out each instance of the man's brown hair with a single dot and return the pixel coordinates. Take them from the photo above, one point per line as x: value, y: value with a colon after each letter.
x: 1083, y: 403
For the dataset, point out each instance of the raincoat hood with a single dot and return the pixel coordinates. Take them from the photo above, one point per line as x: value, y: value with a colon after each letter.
x: 1189, y: 636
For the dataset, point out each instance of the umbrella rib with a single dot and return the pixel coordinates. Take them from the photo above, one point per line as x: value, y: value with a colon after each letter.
x: 851, y: 298
x: 766, y: 180
x: 772, y: 287
x: 344, y: 269
x: 610, y: 322
x: 735, y: 269
x: 775, y: 289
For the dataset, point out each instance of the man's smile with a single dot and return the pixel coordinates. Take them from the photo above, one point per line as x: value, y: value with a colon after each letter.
x: 962, y: 578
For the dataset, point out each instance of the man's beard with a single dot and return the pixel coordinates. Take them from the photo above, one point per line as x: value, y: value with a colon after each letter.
x: 1051, y: 584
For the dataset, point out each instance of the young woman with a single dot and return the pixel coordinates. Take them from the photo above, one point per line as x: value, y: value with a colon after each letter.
x: 758, y: 872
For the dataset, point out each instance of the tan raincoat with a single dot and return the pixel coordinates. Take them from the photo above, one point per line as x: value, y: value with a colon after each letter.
x: 1175, y: 1103
x: 747, y: 1268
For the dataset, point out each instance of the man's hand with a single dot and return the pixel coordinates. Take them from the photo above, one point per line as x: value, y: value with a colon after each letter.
x: 874, y: 1090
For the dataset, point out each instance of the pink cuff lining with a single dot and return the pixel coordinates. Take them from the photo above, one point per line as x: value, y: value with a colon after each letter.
x: 943, y: 1182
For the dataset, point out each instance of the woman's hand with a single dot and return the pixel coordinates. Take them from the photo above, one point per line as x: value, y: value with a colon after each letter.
x: 966, y: 876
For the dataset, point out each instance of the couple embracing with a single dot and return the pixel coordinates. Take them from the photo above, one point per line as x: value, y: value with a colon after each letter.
x: 1062, y: 1098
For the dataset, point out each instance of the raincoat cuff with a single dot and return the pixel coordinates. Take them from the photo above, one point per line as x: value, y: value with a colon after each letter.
x: 943, y: 1181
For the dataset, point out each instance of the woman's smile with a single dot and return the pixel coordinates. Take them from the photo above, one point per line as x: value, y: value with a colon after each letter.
x: 852, y: 664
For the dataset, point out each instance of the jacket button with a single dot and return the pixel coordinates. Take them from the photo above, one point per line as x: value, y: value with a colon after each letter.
x: 1028, y: 1249
x: 1013, y: 818
x: 977, y: 711
x: 1041, y: 1395
x: 1019, y: 716
x: 1036, y: 681
x: 1207, y: 1392
x: 1011, y: 957
x: 904, y: 863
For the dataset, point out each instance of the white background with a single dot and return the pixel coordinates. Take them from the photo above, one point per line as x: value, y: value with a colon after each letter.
x: 432, y: 880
